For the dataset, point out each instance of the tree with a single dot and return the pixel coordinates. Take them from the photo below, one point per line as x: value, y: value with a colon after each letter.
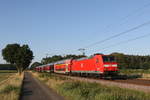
x: 146, y: 65
x: 35, y: 64
x: 19, y: 56
x: 59, y: 57
x: 132, y: 61
x: 51, y: 59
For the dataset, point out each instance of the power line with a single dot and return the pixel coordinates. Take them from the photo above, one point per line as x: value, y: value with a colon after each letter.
x: 116, y: 35
x: 128, y: 16
x: 119, y: 34
x: 124, y: 42
x: 137, y: 10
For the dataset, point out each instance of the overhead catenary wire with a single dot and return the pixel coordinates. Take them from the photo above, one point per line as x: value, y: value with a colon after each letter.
x: 137, y: 10
x: 116, y: 35
x: 123, y: 42
x: 119, y: 34
x: 124, y: 18
x: 129, y: 15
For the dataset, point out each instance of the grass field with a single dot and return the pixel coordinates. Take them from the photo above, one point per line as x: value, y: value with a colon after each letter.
x: 10, y: 89
x: 4, y: 74
x: 76, y: 90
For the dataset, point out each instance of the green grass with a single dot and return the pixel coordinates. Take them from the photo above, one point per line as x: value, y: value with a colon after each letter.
x: 10, y: 90
x: 76, y: 90
x: 93, y: 91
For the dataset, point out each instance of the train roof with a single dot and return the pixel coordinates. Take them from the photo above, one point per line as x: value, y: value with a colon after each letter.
x: 50, y: 64
x: 62, y: 61
x: 83, y: 58
x: 46, y: 65
x: 98, y: 54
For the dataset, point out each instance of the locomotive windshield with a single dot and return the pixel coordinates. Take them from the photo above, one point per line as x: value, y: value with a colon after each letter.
x: 108, y: 59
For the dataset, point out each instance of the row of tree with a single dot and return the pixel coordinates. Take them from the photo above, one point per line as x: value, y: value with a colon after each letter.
x: 59, y: 57
x: 132, y: 61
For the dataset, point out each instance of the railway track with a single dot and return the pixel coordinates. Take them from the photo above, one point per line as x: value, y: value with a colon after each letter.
x: 135, y: 81
x: 135, y: 84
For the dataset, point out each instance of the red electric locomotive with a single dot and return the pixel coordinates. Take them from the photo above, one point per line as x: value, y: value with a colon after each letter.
x: 97, y: 64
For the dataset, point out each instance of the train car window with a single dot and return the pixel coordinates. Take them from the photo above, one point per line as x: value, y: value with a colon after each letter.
x: 112, y: 59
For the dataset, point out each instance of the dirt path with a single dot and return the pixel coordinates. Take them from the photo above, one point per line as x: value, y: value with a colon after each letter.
x: 33, y: 89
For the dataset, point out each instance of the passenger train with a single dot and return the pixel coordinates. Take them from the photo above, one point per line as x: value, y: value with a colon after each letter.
x: 98, y: 64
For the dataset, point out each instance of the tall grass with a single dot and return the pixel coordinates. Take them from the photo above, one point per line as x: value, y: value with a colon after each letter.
x: 77, y: 90
x: 10, y: 90
x: 93, y: 91
x: 4, y: 74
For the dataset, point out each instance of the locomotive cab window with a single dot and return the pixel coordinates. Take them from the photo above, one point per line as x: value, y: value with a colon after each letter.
x: 112, y: 59
x: 108, y: 59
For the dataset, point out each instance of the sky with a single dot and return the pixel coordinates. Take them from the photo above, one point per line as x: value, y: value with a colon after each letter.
x: 63, y: 26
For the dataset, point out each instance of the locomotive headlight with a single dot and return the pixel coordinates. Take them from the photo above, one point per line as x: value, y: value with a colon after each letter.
x: 114, y: 65
x: 106, y: 65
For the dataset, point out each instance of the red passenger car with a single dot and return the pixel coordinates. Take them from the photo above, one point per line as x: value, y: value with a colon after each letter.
x: 49, y: 68
x: 63, y: 66
x: 40, y: 69
x: 36, y: 69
